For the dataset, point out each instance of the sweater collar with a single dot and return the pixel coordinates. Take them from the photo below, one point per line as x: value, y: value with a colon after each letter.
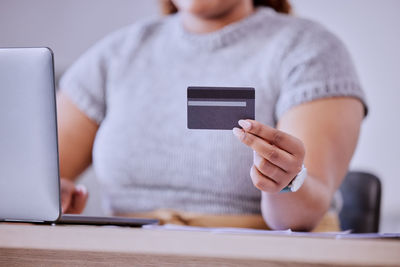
x: 226, y: 35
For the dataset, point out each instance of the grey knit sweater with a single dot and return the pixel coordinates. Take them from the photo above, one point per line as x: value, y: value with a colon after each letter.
x: 133, y: 84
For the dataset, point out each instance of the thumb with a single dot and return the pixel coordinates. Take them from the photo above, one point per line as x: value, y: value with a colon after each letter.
x: 79, y: 199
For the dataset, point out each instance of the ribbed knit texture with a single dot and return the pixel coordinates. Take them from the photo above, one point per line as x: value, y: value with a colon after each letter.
x: 133, y: 83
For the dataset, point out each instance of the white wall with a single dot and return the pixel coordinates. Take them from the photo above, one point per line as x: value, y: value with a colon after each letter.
x: 371, y: 30
x: 68, y: 27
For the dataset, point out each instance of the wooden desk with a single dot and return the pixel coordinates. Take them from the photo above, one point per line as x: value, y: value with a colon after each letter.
x: 41, y: 245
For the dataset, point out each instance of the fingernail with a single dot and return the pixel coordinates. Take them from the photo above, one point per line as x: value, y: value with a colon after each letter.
x: 237, y: 132
x: 81, y: 188
x: 245, y: 124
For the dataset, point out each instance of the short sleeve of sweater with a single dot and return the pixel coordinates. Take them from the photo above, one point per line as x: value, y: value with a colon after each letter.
x: 316, y: 65
x: 85, y: 82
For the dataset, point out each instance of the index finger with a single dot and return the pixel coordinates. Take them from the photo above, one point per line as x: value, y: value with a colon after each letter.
x: 275, y: 137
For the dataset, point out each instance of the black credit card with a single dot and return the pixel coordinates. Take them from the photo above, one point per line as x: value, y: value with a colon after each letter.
x: 219, y: 108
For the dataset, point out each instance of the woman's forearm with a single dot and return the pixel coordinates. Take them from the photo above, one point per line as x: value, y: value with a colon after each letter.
x: 301, y: 210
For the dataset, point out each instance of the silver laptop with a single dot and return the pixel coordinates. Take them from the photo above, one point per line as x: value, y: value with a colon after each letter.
x: 29, y: 172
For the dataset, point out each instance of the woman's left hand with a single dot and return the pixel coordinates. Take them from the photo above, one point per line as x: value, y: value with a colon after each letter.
x: 278, y: 156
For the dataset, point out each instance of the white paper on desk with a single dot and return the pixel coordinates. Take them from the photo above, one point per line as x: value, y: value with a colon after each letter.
x: 175, y: 227
x: 223, y: 230
x: 370, y: 236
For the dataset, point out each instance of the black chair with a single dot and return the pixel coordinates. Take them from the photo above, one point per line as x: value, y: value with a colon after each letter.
x: 361, y: 194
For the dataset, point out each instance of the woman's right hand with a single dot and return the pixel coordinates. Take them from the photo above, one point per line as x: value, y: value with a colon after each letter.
x: 73, y: 197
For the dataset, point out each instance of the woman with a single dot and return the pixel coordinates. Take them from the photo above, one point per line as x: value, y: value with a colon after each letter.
x: 124, y: 102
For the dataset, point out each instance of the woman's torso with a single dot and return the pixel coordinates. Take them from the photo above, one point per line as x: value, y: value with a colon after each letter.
x: 145, y: 157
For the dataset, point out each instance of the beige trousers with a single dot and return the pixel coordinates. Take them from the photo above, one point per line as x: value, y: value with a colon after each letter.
x: 329, y: 222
